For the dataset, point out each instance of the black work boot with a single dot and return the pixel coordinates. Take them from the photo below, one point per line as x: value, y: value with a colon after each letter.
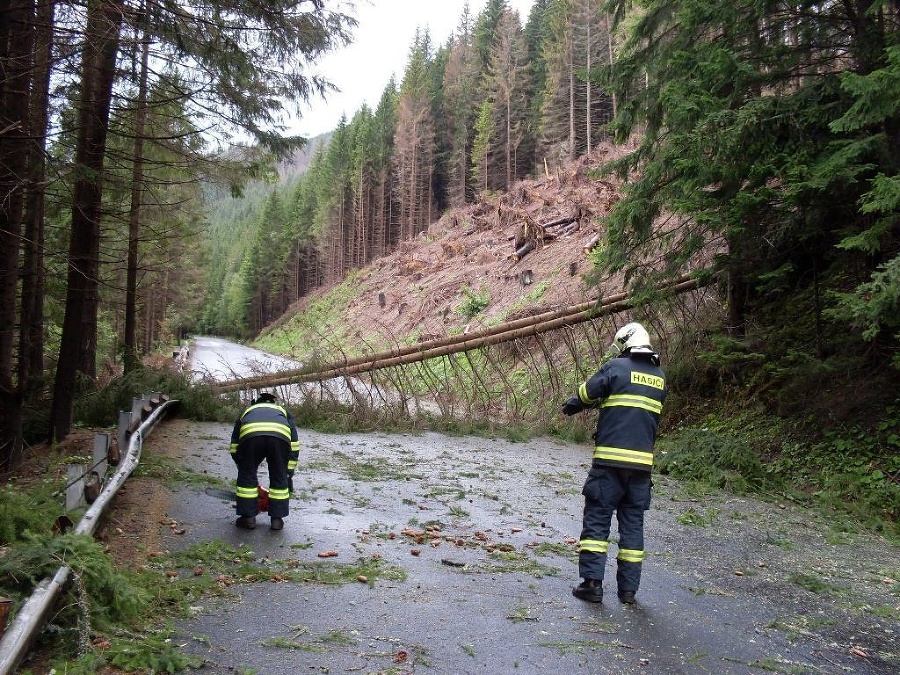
x: 246, y: 522
x: 627, y: 597
x: 277, y: 523
x: 590, y: 590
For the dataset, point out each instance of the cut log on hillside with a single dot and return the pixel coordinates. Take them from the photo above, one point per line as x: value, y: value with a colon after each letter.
x: 569, y: 229
x: 565, y: 220
x: 591, y: 244
x: 523, y: 250
x: 573, y: 217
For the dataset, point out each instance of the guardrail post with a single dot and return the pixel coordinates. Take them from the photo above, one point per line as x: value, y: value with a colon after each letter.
x: 122, y: 432
x: 74, y: 486
x: 101, y: 454
x: 137, y: 405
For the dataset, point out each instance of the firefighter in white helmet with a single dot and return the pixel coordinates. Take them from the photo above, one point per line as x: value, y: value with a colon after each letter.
x: 629, y: 391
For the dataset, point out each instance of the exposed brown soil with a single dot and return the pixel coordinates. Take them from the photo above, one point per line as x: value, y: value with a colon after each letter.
x: 131, y: 528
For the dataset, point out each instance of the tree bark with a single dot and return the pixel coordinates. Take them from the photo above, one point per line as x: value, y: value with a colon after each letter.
x: 588, y: 91
x: 31, y: 323
x: 130, y: 356
x: 77, y: 352
x: 16, y: 49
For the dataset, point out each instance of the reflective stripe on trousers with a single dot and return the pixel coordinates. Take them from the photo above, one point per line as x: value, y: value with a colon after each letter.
x: 625, y: 492
x: 250, y: 454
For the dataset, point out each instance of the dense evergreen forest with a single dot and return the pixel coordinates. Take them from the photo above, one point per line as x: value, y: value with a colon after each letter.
x: 769, y: 132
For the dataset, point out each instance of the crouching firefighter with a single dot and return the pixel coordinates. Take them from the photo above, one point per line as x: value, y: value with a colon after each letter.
x: 264, y: 431
x: 629, y: 391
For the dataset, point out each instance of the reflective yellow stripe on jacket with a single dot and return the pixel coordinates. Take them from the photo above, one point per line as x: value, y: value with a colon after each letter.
x: 624, y: 455
x: 633, y: 401
x: 266, y: 427
x: 583, y: 395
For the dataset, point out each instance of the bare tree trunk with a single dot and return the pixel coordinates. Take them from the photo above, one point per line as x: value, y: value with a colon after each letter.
x: 16, y: 49
x: 571, y: 65
x: 131, y: 360
x: 609, y: 41
x: 78, y: 344
x: 31, y: 324
x: 429, y: 194
x: 588, y: 103
x: 509, y: 150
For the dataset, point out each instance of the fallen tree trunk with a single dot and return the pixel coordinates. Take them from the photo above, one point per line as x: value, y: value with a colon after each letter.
x: 512, y: 330
x: 560, y: 221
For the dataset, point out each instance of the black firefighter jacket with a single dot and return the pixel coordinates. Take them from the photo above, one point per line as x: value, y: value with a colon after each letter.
x: 629, y: 390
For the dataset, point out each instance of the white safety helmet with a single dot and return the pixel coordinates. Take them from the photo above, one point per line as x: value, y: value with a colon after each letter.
x: 631, y: 336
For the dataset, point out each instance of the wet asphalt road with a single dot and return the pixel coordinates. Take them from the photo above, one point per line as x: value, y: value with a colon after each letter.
x: 488, y: 580
x: 491, y: 592
x: 218, y: 360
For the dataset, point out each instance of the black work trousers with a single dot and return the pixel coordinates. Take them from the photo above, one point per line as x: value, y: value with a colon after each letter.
x: 249, y: 455
x: 625, y: 492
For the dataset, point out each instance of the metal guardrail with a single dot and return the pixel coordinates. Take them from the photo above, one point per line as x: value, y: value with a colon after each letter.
x: 33, y: 613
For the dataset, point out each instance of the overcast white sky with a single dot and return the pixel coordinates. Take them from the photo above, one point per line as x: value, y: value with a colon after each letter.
x: 380, y: 49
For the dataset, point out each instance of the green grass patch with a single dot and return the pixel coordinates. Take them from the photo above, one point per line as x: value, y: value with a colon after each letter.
x: 370, y: 469
x: 776, y: 665
x: 315, y: 644
x: 459, y: 512
x: 848, y: 470
x: 699, y: 518
x: 554, y: 548
x: 511, y: 561
x: 780, y: 541
x: 521, y: 614
x: 815, y: 584
x: 884, y: 611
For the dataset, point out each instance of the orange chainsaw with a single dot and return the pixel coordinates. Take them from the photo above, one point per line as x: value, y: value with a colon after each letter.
x: 263, y: 498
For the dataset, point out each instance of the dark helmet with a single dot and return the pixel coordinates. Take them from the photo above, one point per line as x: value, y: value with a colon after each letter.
x: 265, y: 397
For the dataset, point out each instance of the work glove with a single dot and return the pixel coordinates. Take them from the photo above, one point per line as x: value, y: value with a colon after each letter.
x: 571, y: 406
